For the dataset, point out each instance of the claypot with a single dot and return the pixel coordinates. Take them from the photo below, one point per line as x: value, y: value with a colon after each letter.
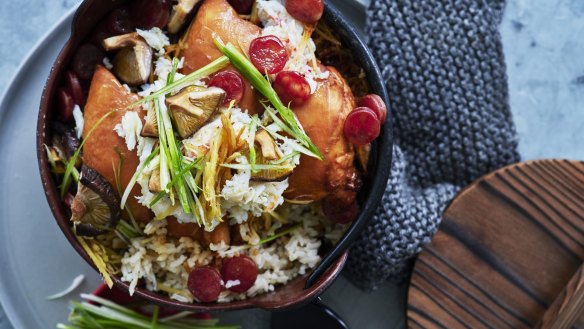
x: 302, y: 289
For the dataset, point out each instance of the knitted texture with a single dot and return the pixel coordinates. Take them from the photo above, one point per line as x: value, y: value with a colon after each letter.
x: 443, y: 66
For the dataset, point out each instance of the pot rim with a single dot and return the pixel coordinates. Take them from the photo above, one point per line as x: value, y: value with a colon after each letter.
x: 320, y: 278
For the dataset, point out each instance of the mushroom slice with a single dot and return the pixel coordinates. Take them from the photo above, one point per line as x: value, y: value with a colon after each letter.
x: 269, y: 151
x: 133, y: 62
x: 254, y: 17
x: 179, y: 14
x: 96, y: 206
x: 267, y: 144
x: 192, y: 107
x: 67, y: 138
x: 150, y: 128
x: 154, y: 182
x: 271, y: 175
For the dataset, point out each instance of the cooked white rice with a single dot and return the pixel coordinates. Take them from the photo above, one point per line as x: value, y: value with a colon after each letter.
x: 164, y: 264
x: 278, y: 22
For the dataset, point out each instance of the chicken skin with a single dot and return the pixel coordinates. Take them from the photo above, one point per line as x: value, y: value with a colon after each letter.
x: 217, y: 19
x: 335, y: 178
x: 106, y: 94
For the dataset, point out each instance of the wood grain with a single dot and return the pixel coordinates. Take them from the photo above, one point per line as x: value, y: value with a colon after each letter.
x: 506, y: 248
x: 568, y: 306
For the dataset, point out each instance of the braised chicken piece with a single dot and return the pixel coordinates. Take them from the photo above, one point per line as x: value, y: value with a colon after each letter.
x: 221, y: 233
x: 180, y: 230
x: 323, y: 116
x: 217, y: 19
x: 106, y: 94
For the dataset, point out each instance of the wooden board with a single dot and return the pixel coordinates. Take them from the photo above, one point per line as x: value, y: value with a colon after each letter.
x: 507, y: 246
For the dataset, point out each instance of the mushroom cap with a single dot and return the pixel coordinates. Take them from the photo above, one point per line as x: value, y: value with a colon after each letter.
x: 133, y: 65
x: 133, y: 62
x: 96, y: 206
x: 67, y: 138
x: 179, y: 14
x: 268, y: 151
x: 150, y: 127
x: 192, y: 107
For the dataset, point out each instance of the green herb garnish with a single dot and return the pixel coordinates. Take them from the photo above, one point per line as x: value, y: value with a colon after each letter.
x: 127, y: 230
x: 285, y: 158
x: 251, y: 141
x: 71, y: 165
x: 279, y: 234
x: 189, y: 167
x: 170, y: 78
x: 283, y: 126
x: 135, y: 228
x: 205, y: 71
x: 104, y: 313
x: 264, y: 86
x: 242, y: 166
x: 183, y: 180
x: 134, y: 178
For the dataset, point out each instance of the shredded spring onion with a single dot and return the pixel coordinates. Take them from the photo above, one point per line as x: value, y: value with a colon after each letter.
x: 133, y: 230
x: 97, y: 261
x: 279, y: 234
x: 242, y: 166
x: 74, y: 285
x: 188, y: 168
x: 251, y: 140
x: 99, y: 313
x: 263, y: 86
x: 136, y: 175
x: 205, y: 71
x: 73, y: 159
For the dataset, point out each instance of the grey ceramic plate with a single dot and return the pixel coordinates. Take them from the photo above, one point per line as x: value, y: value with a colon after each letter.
x: 36, y: 260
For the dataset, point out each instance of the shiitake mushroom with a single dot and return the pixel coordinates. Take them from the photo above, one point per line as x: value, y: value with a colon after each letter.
x: 192, y: 107
x: 268, y: 151
x: 96, y: 206
x: 150, y: 127
x: 133, y: 61
x: 179, y: 14
x: 66, y: 138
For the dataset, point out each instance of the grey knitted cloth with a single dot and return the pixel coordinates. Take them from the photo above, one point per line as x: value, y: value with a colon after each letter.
x: 443, y: 64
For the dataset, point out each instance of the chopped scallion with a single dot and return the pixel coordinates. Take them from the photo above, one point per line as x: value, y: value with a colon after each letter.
x: 265, y: 88
x: 205, y: 71
x: 251, y: 141
x: 279, y: 234
x: 134, y: 178
x: 242, y: 166
x: 71, y: 164
x: 100, y: 313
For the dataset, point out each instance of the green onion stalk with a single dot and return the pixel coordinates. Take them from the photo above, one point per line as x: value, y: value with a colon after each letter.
x: 289, y: 122
x: 99, y: 313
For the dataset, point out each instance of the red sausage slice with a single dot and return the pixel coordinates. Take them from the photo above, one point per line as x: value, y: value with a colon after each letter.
x: 66, y: 104
x: 74, y: 87
x: 375, y: 103
x: 147, y: 14
x: 119, y: 22
x: 84, y: 61
x: 205, y: 284
x: 242, y: 269
x: 268, y: 54
x: 361, y: 126
x: 292, y: 88
x: 306, y: 11
x: 231, y: 82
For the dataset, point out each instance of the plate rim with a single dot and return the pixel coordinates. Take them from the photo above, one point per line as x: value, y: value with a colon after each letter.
x: 10, y: 309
